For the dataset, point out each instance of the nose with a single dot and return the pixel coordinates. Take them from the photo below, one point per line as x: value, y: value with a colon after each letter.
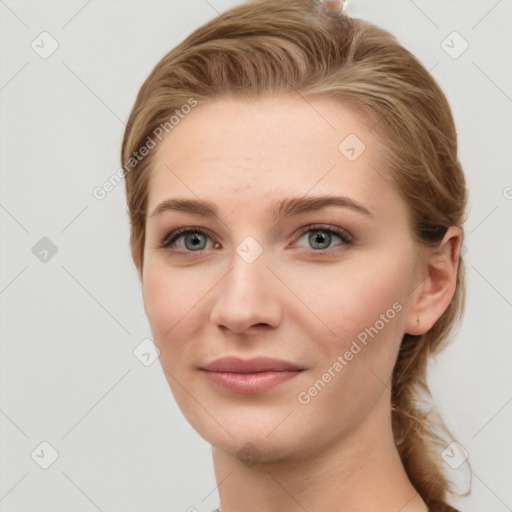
x: 247, y: 297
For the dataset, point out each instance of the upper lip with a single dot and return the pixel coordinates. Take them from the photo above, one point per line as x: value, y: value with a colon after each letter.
x: 257, y: 364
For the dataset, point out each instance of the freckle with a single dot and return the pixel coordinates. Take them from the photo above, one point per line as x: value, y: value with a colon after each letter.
x: 242, y: 188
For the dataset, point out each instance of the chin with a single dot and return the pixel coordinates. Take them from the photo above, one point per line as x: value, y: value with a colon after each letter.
x: 249, y: 439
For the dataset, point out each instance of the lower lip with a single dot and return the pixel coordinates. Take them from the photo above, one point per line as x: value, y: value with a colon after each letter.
x: 250, y: 382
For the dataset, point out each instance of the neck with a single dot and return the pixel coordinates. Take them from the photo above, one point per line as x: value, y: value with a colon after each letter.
x: 360, y: 471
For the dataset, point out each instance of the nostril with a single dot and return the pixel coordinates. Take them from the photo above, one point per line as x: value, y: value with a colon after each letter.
x: 259, y: 327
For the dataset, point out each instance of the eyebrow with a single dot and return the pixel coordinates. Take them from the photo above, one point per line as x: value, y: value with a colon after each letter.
x: 285, y: 208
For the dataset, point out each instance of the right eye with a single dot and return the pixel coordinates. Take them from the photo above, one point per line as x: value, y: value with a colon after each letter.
x: 193, y: 240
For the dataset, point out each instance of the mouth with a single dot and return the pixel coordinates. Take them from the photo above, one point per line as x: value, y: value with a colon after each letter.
x: 254, y: 365
x: 250, y: 376
x: 256, y: 382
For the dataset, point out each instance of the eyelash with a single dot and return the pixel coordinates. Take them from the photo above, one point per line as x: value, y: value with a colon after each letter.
x: 169, y: 240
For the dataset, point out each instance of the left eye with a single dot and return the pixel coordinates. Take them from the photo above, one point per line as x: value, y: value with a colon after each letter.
x: 320, y: 237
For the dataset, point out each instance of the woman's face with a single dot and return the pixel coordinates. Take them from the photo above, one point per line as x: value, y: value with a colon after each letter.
x: 325, y: 288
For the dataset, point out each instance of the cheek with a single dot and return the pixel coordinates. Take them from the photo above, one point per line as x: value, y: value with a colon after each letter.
x: 174, y: 302
x: 164, y: 301
x: 362, y: 310
x: 365, y: 311
x: 359, y: 299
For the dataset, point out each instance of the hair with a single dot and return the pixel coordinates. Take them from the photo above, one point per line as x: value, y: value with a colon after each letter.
x: 271, y: 47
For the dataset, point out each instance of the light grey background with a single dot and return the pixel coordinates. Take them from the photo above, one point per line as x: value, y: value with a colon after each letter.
x: 69, y: 325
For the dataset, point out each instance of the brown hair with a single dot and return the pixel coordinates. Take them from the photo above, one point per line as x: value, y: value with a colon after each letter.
x: 285, y: 46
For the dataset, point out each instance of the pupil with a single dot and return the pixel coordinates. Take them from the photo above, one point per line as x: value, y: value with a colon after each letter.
x: 320, y: 237
x: 195, y: 240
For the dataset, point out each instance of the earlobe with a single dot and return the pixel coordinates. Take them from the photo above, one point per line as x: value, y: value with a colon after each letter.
x: 435, y: 290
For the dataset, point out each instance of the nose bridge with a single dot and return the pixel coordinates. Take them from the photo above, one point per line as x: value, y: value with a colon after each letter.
x: 246, y: 296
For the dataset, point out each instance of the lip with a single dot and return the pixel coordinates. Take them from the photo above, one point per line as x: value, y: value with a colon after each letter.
x: 256, y: 364
x: 249, y: 382
x: 250, y: 376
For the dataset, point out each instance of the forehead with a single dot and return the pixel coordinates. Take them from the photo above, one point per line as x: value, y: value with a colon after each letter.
x: 234, y: 151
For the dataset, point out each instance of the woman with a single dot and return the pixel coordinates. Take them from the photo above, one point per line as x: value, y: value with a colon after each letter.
x: 297, y: 207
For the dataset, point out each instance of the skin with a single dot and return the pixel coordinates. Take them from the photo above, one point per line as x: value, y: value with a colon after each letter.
x: 336, y: 453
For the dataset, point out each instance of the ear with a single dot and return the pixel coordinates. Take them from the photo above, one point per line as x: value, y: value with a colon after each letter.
x: 435, y: 286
